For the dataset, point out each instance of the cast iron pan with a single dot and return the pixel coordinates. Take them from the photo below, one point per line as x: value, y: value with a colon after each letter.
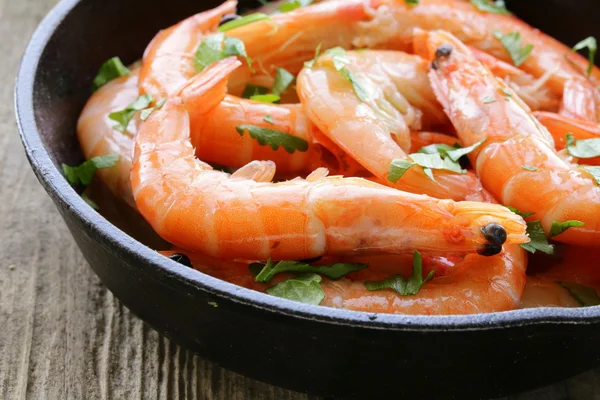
x: 307, y: 348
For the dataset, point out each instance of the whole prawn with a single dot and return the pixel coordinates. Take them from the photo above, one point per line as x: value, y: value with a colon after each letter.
x: 199, y: 209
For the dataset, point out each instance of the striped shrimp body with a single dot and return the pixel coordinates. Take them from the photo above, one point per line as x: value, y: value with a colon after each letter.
x: 374, y: 129
x: 517, y: 163
x: 194, y: 207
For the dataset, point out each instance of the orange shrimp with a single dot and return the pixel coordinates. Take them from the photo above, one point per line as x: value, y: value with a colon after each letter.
x: 517, y: 162
x: 475, y: 284
x: 194, y: 207
x: 363, y: 128
x: 97, y: 135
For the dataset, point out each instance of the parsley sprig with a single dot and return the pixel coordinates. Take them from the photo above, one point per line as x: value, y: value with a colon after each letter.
x: 512, y: 43
x: 591, y: 45
x: 266, y: 272
x: 402, y: 286
x: 111, y: 69
x: 274, y: 138
x: 305, y: 288
x: 217, y: 47
x: 490, y: 6
x: 84, y: 172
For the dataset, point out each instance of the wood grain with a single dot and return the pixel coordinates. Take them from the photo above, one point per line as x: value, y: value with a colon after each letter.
x: 62, y: 334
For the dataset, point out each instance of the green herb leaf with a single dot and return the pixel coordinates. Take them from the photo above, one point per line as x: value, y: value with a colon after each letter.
x: 404, y: 287
x: 496, y: 7
x: 594, y: 171
x: 245, y: 20
x: 411, y: 2
x: 489, y: 100
x: 559, y: 227
x: 591, y: 44
x: 456, y: 154
x: 360, y: 92
x: 435, y: 161
x: 111, y: 69
x: 512, y: 43
x: 585, y: 296
x: 268, y: 119
x: 333, y: 271
x: 124, y: 116
x: 283, y: 79
x: 521, y: 214
x: 253, y: 90
x: 340, y: 61
x: 266, y: 98
x: 538, y: 239
x: 587, y: 148
x: 90, y: 202
x: 84, y: 172
x: 147, y: 111
x: 528, y: 168
x: 217, y: 47
x: 291, y: 5
x: 507, y: 93
x: 305, y: 288
x: 311, y: 63
x: 440, y: 148
x: 398, y: 167
x: 274, y: 138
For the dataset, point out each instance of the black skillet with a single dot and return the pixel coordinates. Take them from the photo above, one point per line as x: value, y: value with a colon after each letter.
x: 307, y: 348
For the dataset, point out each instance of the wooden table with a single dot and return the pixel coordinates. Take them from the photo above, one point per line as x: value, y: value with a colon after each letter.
x: 63, y: 335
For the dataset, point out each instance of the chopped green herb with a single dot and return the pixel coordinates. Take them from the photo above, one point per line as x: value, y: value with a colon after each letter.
x: 538, y: 239
x: 217, y: 47
x: 512, y: 43
x: 333, y: 271
x: 440, y: 148
x: 274, y: 138
x: 268, y: 119
x: 506, y: 93
x: 111, y: 69
x: 521, y: 214
x: 457, y: 153
x: 147, y: 111
x: 495, y: 7
x: 305, y: 288
x: 398, y: 167
x: 594, y: 171
x: 311, y: 63
x: 411, y: 2
x: 266, y: 98
x: 124, y: 116
x: 591, y: 44
x: 291, y: 5
x: 489, y: 100
x: 245, y: 20
x: 84, y: 172
x: 404, y: 287
x: 528, y: 168
x: 587, y: 148
x: 360, y: 91
x: 435, y: 161
x: 283, y: 79
x: 559, y: 227
x: 585, y: 296
x: 253, y: 90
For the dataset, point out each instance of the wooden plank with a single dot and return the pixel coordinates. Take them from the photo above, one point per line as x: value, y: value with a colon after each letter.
x: 64, y: 336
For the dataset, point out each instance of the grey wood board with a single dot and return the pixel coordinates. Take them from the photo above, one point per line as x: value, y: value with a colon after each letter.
x: 63, y: 335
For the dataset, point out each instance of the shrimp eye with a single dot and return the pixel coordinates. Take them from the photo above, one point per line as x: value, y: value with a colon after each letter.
x: 489, y: 249
x: 443, y: 51
x: 228, y: 18
x: 181, y: 259
x: 494, y: 233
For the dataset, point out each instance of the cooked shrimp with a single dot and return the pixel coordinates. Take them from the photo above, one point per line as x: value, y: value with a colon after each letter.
x: 580, y: 100
x: 517, y: 162
x: 474, y: 284
x: 559, y: 125
x: 97, y: 135
x: 197, y: 208
x: 364, y: 129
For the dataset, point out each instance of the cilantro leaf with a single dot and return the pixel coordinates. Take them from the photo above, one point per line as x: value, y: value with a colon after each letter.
x: 217, y: 47
x: 291, y: 5
x: 311, y: 63
x: 305, y: 288
x: 585, y: 296
x: 594, y: 171
x: 274, y: 138
x: 587, y: 148
x: 124, y: 116
x: 266, y: 98
x: 591, y: 44
x: 411, y: 2
x: 359, y: 90
x: 147, y: 111
x: 559, y: 227
x: 111, y: 69
x: 84, y: 172
x: 333, y: 271
x: 528, y: 168
x: 283, y: 79
x: 268, y: 119
x: 456, y: 154
x: 245, y: 20
x: 404, y: 287
x: 253, y: 90
x: 398, y: 167
x: 340, y: 61
x: 489, y: 100
x: 538, y: 239
x: 512, y: 43
x: 435, y: 161
x: 519, y: 213
x: 495, y: 7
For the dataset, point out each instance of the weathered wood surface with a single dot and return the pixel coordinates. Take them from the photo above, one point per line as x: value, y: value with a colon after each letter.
x: 62, y: 334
